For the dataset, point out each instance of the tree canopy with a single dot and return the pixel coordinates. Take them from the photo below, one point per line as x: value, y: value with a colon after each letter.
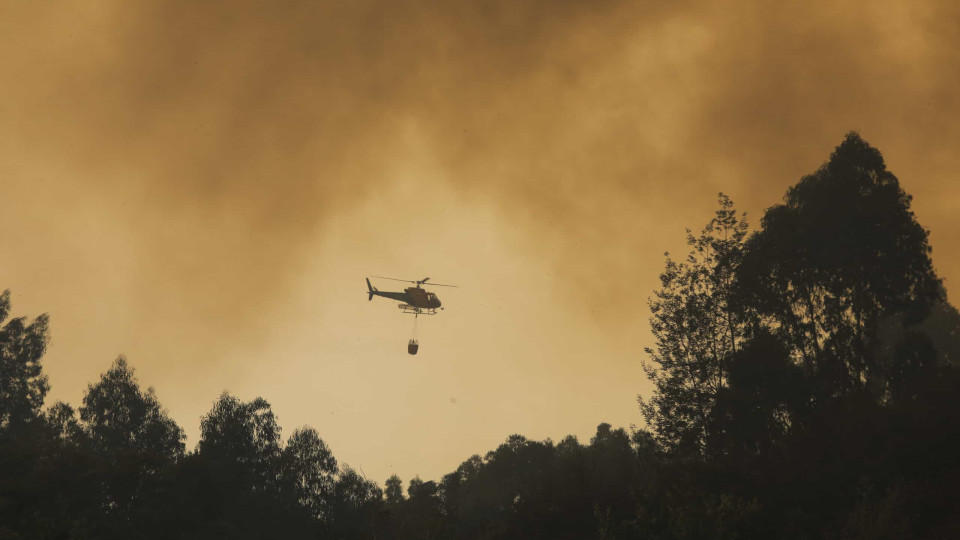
x: 23, y: 386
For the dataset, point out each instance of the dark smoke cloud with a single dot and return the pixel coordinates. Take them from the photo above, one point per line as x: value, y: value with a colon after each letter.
x: 224, y: 133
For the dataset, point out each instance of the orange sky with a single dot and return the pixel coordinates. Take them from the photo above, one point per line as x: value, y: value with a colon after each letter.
x: 203, y: 187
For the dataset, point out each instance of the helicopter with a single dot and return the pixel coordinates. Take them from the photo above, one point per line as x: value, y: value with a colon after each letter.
x: 414, y: 300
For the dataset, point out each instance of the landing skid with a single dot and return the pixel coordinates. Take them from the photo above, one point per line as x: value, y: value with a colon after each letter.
x: 407, y: 308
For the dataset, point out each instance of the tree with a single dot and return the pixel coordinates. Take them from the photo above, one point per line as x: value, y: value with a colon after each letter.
x: 308, y: 470
x: 613, y: 475
x: 765, y: 391
x: 463, y: 502
x: 698, y: 324
x: 394, y: 490
x: 120, y: 417
x: 356, y: 506
x: 841, y: 255
x: 422, y: 515
x: 245, y: 438
x: 44, y: 476
x: 241, y: 483
x: 836, y: 369
x: 23, y: 386
x: 131, y: 437
x: 62, y: 422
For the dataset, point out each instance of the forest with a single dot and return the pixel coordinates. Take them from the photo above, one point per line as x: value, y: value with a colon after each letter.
x: 805, y: 381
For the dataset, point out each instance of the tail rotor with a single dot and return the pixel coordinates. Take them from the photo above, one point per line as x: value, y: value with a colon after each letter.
x: 370, y: 290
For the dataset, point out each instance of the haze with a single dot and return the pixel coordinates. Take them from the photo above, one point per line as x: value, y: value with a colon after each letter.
x: 203, y: 187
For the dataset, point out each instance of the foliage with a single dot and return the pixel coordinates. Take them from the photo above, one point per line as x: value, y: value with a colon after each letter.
x: 842, y: 254
x: 23, y: 385
x: 393, y: 490
x: 698, y: 327
x: 245, y: 435
x: 840, y: 325
x: 118, y: 416
x: 308, y: 469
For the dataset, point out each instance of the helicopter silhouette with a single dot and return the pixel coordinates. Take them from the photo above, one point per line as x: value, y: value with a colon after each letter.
x: 415, y: 300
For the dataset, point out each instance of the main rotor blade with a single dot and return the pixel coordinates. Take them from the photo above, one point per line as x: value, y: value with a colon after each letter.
x: 395, y: 279
x: 424, y: 280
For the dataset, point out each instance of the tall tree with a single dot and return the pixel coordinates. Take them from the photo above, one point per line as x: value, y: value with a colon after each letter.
x: 240, y: 484
x: 698, y: 325
x: 120, y: 417
x: 356, y: 506
x: 836, y: 371
x: 393, y: 490
x: 25, y: 441
x: 612, y: 467
x: 132, y: 438
x: 244, y: 437
x: 308, y: 470
x: 23, y: 385
x: 422, y: 510
x: 843, y: 253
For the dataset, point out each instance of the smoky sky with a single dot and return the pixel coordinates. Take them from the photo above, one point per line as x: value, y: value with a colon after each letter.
x: 192, y: 152
x: 258, y: 119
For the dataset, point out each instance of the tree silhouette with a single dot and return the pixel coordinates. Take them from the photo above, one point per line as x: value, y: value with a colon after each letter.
x: 393, y: 490
x: 241, y: 483
x: 130, y: 438
x: 765, y: 390
x: 25, y: 439
x: 244, y: 437
x: 23, y: 386
x: 356, y: 506
x: 422, y: 514
x: 841, y: 339
x: 119, y: 416
x: 308, y: 471
x: 698, y: 326
x: 843, y: 253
